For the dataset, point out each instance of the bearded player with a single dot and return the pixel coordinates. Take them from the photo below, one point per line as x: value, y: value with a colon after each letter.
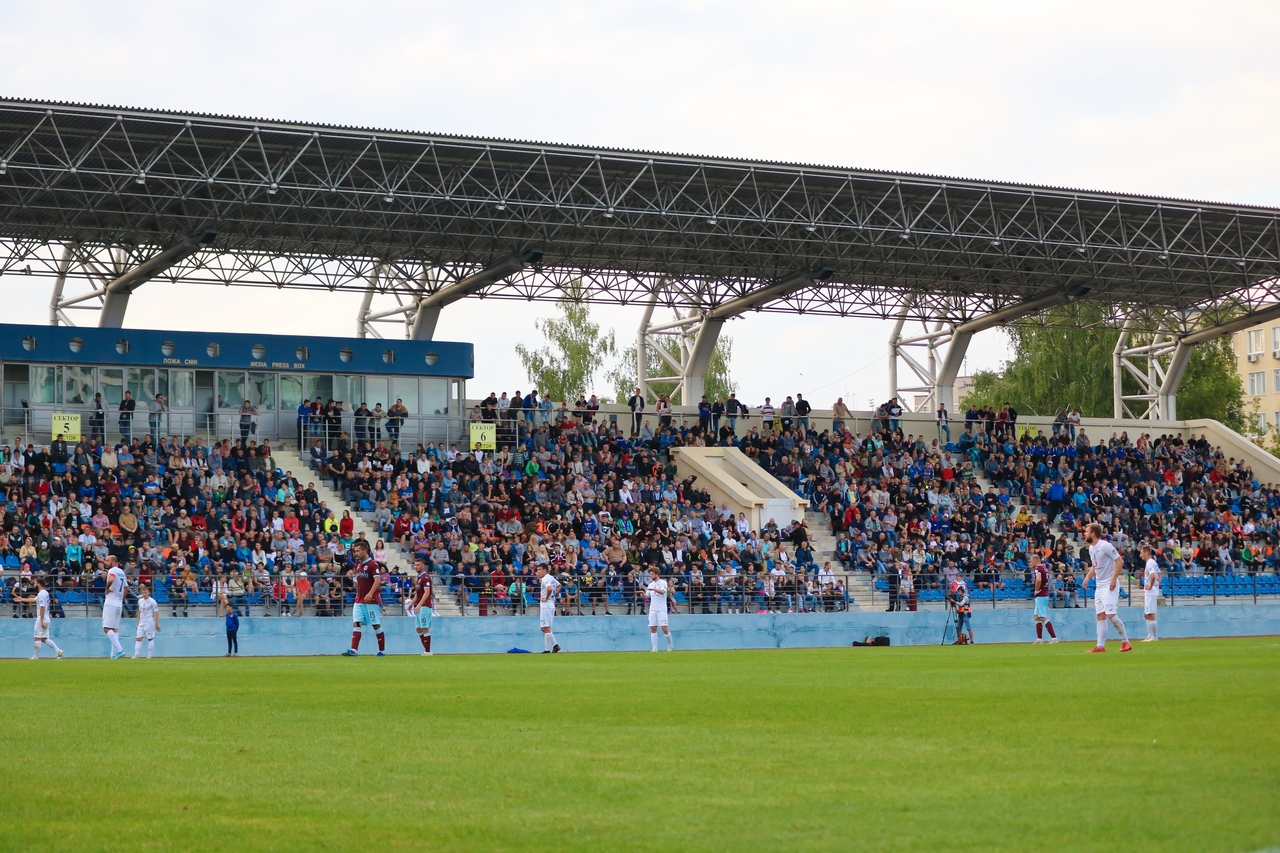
x: 112, y: 605
x: 1104, y: 568
x: 1040, y: 575
x: 658, y: 590
x: 368, y: 606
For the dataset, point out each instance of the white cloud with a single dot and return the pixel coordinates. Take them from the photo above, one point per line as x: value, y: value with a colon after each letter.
x: 1164, y: 98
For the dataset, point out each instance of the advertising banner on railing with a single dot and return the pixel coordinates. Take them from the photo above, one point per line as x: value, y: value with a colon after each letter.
x: 484, y: 436
x: 65, y: 425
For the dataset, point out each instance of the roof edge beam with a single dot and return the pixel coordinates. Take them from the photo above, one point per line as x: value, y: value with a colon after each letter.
x: 1240, y: 323
x: 115, y: 296
x: 949, y: 370
x: 427, y: 313
x: 765, y: 295
x: 1167, y: 395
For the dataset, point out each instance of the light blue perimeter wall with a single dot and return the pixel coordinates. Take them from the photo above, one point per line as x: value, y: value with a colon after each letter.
x: 314, y: 636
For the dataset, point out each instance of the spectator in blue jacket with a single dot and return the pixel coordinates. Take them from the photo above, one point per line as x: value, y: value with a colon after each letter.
x: 233, y: 626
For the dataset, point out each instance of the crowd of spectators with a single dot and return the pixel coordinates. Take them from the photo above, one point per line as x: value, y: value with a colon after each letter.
x: 599, y: 502
x: 596, y: 503
x: 217, y: 523
x: 911, y: 509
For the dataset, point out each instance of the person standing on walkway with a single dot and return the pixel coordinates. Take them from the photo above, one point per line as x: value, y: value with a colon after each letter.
x: 156, y: 411
x: 636, y: 404
x: 248, y: 412
x: 127, y: 407
x: 233, y: 627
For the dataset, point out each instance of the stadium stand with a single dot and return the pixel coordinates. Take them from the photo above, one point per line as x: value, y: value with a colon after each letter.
x: 903, y: 515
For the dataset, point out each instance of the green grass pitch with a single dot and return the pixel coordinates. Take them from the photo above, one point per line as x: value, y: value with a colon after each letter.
x: 1173, y: 747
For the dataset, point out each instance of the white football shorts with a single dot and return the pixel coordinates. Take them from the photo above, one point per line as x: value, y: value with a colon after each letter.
x: 1105, y: 600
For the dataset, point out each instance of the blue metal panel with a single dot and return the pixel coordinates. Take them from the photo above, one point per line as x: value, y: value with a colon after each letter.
x: 203, y: 636
x: 232, y: 351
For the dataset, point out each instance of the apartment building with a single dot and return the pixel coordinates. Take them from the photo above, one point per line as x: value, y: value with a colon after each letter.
x: 1257, y: 351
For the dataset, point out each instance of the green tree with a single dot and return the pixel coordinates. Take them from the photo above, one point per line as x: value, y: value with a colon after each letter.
x: 718, y: 384
x: 1059, y: 364
x: 576, y: 348
x: 1053, y: 365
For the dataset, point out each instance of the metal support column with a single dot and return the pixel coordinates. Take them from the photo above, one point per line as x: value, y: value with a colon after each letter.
x: 941, y: 377
x: 1159, y: 380
x: 923, y: 365
x: 427, y: 313
x: 364, y: 322
x: 114, y: 293
x: 56, y: 315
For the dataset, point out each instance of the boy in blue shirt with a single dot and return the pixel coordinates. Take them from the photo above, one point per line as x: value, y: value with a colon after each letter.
x: 233, y: 625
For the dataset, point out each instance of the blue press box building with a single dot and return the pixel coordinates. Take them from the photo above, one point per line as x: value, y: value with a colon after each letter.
x: 206, y: 376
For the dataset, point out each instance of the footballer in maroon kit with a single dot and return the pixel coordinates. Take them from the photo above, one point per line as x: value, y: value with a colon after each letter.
x: 368, y: 607
x: 423, y: 602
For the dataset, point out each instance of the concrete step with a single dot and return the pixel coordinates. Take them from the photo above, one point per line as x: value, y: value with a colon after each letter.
x: 396, y: 555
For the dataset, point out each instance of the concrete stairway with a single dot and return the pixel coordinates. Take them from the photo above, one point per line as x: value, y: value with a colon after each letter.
x: 397, y: 555
x: 859, y: 584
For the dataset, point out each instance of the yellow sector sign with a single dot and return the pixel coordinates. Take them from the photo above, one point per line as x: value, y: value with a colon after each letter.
x: 66, y: 426
x: 484, y: 435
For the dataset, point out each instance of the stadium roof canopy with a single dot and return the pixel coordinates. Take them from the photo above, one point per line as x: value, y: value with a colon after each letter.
x: 101, y: 192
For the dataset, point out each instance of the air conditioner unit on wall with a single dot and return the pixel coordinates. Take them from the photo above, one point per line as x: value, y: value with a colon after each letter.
x: 1275, y: 353
x: 1253, y: 356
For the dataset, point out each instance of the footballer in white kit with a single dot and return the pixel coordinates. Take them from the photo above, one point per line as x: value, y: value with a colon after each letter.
x: 1104, y: 568
x: 148, y: 622
x: 112, y: 605
x: 657, y: 590
x: 42, y: 621
x: 1150, y: 592
x: 548, y: 586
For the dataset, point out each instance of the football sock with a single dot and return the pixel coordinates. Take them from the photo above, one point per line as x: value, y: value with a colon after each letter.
x: 355, y: 641
x: 1154, y: 632
x: 137, y: 647
x: 382, y: 641
x: 1039, y: 630
x: 151, y: 647
x: 1102, y: 633
x: 670, y: 643
x: 546, y: 641
x: 1124, y: 635
x: 1048, y: 626
x: 426, y: 642
x: 37, y: 645
x: 653, y: 641
x: 114, y: 637
x: 51, y: 644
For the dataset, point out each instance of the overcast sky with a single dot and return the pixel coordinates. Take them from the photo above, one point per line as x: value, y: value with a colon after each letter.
x: 1166, y: 98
